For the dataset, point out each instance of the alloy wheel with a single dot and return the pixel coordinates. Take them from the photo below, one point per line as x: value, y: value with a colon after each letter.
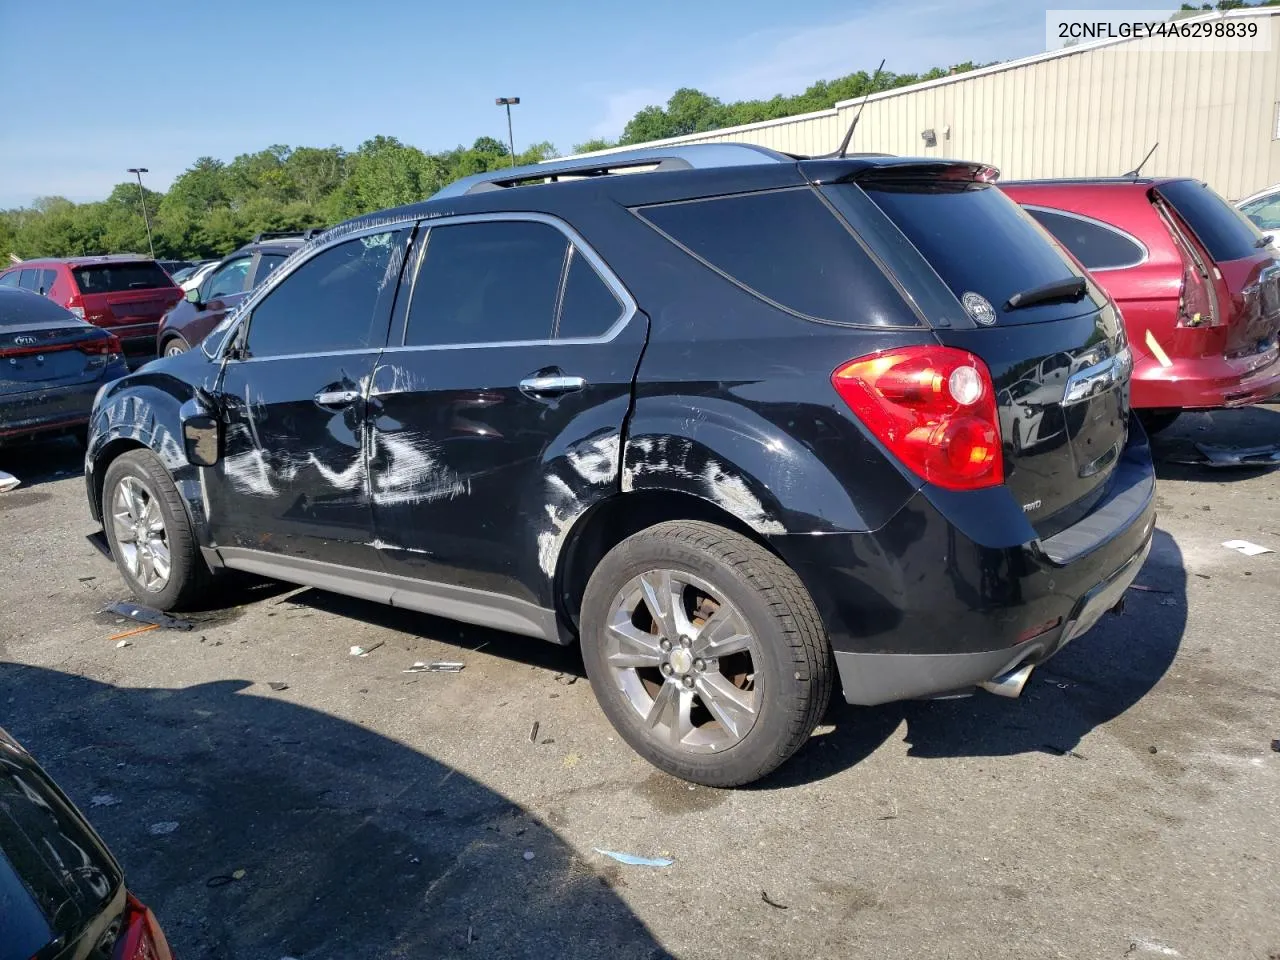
x: 140, y: 534
x: 684, y: 658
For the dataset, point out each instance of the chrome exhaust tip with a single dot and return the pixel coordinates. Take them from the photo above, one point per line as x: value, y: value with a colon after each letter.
x: 1009, y: 684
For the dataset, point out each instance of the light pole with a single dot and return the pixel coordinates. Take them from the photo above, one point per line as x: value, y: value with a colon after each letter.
x: 509, y: 102
x: 139, y: 171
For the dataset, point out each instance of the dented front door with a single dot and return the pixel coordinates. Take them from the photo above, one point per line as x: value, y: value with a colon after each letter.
x: 485, y: 453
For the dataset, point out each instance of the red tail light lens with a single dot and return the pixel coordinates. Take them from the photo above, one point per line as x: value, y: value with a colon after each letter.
x: 102, y: 347
x: 934, y: 408
x: 141, y: 937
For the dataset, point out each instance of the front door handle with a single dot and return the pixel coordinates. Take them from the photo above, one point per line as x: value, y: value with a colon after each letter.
x: 551, y: 386
x: 337, y: 398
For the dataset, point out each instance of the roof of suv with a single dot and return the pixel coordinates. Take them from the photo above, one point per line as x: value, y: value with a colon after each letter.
x: 83, y: 261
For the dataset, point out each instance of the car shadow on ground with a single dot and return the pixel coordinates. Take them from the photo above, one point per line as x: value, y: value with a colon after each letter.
x: 41, y: 461
x: 1093, y: 680
x: 1243, y: 427
x: 256, y: 827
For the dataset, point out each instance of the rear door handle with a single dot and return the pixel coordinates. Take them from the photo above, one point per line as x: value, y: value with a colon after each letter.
x: 551, y: 386
x: 337, y: 398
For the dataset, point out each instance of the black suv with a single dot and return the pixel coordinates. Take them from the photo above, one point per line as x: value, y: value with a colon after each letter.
x: 203, y: 308
x: 734, y: 421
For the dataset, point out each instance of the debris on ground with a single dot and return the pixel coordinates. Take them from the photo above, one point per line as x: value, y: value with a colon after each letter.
x: 1152, y: 749
x: 1145, y: 589
x: 103, y: 800
x: 135, y: 611
x: 1245, y: 547
x: 8, y: 481
x: 1062, y: 751
x: 1267, y: 455
x: 1275, y: 746
x: 631, y: 860
x: 533, y: 733
x: 131, y: 633
x: 163, y: 828
x: 568, y: 679
x: 528, y: 855
x: 277, y: 686
x: 771, y: 902
x: 436, y: 666
x: 358, y: 651
x: 222, y: 879
x: 124, y: 643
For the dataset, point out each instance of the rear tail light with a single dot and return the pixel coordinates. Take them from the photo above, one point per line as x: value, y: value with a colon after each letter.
x: 141, y: 937
x: 934, y: 408
x: 102, y: 346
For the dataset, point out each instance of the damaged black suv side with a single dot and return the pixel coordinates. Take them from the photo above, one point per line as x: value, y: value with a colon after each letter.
x: 735, y: 422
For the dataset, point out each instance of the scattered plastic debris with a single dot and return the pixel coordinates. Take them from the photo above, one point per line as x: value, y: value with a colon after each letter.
x: 568, y: 679
x: 1062, y: 751
x: 1152, y: 750
x: 1275, y: 746
x: 8, y: 481
x: 135, y: 611
x: 1267, y: 455
x: 1145, y: 589
x: 359, y: 651
x: 132, y: 633
x: 528, y: 855
x: 772, y: 902
x: 103, y: 800
x: 124, y: 643
x: 1245, y: 547
x: 533, y: 733
x: 163, y: 828
x: 631, y: 860
x: 437, y: 666
x: 277, y: 686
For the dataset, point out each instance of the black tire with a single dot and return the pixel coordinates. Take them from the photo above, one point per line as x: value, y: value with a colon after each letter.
x: 1154, y: 421
x: 174, y: 344
x: 794, y: 673
x: 189, y: 579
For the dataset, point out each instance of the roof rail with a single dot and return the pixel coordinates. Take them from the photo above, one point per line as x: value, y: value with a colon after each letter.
x: 289, y: 234
x: 697, y: 156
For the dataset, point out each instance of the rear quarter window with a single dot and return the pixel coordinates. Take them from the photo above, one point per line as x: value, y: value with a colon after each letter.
x: 789, y: 248
x: 1097, y: 245
x: 1222, y: 229
x: 120, y: 277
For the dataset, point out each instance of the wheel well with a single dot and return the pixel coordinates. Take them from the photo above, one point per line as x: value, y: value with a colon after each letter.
x: 103, y: 461
x: 610, y: 522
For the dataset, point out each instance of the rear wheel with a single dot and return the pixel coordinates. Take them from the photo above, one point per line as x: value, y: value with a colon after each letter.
x: 705, y: 652
x: 1154, y: 421
x: 174, y: 346
x: 151, y: 537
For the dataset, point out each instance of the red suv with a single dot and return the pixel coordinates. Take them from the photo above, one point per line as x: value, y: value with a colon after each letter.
x: 124, y: 294
x: 1199, y: 290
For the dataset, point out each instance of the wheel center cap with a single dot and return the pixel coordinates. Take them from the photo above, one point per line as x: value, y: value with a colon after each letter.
x: 681, y: 661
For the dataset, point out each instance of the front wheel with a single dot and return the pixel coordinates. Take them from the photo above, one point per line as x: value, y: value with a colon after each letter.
x: 705, y: 652
x: 174, y: 346
x: 151, y: 538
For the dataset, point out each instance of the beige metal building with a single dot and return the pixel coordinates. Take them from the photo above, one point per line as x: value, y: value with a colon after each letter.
x: 1088, y: 110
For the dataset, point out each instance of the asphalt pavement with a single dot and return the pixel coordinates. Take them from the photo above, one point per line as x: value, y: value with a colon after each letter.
x: 272, y: 795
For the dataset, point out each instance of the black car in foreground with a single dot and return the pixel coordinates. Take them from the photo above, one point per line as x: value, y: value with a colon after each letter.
x: 62, y: 894
x: 51, y: 365
x: 735, y: 422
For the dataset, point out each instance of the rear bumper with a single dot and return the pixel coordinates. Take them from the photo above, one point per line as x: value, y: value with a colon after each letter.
x: 1206, y: 382
x: 50, y: 410
x: 956, y: 588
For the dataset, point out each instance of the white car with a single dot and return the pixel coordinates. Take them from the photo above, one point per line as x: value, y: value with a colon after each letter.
x: 197, y: 276
x: 1263, y: 208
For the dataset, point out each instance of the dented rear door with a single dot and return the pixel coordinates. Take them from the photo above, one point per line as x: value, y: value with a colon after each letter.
x: 497, y: 411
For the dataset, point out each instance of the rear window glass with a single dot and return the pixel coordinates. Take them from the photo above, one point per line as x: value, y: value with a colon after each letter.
x: 1096, y: 245
x: 787, y: 247
x: 978, y: 241
x: 17, y: 309
x: 120, y: 277
x: 1224, y: 231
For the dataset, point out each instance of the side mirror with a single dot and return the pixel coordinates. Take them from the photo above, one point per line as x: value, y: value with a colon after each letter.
x: 200, y: 438
x: 193, y: 296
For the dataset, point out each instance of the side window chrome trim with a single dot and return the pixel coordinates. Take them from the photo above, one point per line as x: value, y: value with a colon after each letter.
x: 286, y: 269
x: 629, y: 306
x: 1101, y: 224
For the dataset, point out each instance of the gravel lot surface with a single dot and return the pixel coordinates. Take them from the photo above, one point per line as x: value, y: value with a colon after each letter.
x: 1128, y: 805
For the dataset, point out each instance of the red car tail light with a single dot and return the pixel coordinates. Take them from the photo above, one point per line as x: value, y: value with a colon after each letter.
x: 141, y: 937
x: 102, y: 347
x: 934, y: 408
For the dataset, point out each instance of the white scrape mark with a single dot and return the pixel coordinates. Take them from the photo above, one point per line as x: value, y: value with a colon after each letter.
x: 732, y: 494
x: 562, y: 509
x: 596, y: 461
x: 383, y: 545
x: 412, y: 474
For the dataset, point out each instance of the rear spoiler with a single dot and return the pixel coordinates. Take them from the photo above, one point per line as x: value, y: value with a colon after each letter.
x: 885, y: 169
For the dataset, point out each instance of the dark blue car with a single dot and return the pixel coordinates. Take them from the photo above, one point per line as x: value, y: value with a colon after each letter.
x: 51, y: 366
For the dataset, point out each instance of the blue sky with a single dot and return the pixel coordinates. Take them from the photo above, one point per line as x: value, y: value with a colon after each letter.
x: 94, y: 88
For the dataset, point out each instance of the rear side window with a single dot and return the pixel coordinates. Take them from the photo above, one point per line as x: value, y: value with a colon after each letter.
x: 491, y: 282
x: 1096, y: 245
x: 1221, y: 228
x: 588, y: 307
x: 120, y: 277
x: 330, y: 303
x: 47, y: 279
x: 979, y: 241
x: 30, y: 279
x: 787, y: 247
